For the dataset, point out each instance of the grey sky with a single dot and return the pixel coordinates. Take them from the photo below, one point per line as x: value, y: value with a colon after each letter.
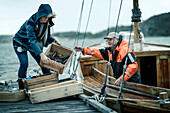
x: 15, y: 12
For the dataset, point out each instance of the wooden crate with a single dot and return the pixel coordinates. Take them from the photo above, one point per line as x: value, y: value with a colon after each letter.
x: 55, y: 91
x: 12, y: 96
x: 53, y: 65
x: 41, y: 81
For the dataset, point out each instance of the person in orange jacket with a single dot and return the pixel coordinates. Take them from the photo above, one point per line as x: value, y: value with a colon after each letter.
x: 118, y: 56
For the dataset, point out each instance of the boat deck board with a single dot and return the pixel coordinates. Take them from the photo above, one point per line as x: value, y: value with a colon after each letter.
x: 66, y: 105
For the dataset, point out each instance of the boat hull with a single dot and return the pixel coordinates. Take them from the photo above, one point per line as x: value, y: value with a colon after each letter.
x: 137, y: 97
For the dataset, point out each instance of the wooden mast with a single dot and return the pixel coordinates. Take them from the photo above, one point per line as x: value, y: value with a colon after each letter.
x: 136, y: 24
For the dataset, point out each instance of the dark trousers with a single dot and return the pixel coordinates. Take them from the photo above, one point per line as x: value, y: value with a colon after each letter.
x: 23, y: 59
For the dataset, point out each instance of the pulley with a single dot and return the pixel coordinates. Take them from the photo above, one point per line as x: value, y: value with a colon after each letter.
x: 136, y: 15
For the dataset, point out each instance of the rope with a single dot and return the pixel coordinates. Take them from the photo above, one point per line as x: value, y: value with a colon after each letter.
x: 112, y: 49
x: 105, y: 81
x: 118, y: 15
x: 125, y: 66
x: 109, y: 18
x: 75, y: 69
x: 77, y: 33
x: 87, y: 23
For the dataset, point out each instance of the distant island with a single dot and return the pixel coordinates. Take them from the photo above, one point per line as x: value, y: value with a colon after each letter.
x: 157, y: 25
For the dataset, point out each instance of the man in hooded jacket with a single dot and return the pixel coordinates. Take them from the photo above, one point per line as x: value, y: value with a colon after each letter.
x: 118, y: 56
x: 33, y: 35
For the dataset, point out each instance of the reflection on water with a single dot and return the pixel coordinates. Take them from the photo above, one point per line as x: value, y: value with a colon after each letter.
x: 9, y: 63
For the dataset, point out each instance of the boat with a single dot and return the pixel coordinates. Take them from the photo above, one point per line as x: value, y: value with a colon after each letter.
x: 136, y: 97
x: 154, y: 67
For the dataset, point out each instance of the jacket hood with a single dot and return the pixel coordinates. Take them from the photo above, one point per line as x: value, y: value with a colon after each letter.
x: 44, y: 10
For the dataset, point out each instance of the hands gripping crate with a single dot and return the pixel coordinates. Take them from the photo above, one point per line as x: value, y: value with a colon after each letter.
x: 60, y: 57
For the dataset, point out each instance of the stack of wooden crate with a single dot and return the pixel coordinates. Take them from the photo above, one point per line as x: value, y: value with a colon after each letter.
x: 45, y: 88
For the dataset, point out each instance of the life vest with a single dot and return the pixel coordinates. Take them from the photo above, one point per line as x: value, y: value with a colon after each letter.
x: 118, y: 60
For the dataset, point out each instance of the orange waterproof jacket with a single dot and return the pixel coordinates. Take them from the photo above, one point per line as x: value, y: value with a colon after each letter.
x: 118, y: 60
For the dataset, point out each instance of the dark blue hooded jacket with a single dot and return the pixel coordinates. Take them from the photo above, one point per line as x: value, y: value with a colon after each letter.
x: 26, y: 37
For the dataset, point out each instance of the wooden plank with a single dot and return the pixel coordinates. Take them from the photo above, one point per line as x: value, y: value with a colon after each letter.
x: 12, y: 96
x: 88, y: 58
x: 102, y: 108
x: 152, y: 53
x: 41, y: 78
x: 158, y: 71
x: 41, y: 85
x: 50, y: 93
x: 165, y: 73
x: 87, y: 70
x: 41, y: 81
x: 88, y: 63
x: 164, y: 79
x: 169, y: 70
x: 54, y: 85
x: 138, y: 61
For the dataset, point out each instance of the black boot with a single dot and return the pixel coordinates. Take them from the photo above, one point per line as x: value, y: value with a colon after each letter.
x: 20, y: 84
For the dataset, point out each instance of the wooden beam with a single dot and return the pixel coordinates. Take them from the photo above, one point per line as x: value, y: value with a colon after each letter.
x: 152, y: 53
x: 132, y: 91
x: 164, y: 79
x: 169, y: 70
x: 102, y: 108
x: 158, y: 71
x: 138, y: 61
x: 136, y: 24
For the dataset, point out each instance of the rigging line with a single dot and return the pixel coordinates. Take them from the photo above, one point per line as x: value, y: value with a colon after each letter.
x: 87, y: 23
x: 77, y: 34
x: 109, y: 18
x: 79, y: 24
x: 116, y: 26
x: 84, y: 34
x: 105, y: 81
x: 112, y: 49
x: 125, y: 66
x: 118, y: 15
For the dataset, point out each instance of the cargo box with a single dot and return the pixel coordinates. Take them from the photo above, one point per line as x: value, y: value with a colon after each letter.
x: 12, y: 96
x: 41, y: 81
x: 55, y: 91
x: 62, y: 51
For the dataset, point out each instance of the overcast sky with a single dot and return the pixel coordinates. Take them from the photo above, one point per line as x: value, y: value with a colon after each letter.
x: 15, y: 12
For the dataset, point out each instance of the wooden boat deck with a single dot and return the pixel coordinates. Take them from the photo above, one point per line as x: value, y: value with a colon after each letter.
x: 65, y: 105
